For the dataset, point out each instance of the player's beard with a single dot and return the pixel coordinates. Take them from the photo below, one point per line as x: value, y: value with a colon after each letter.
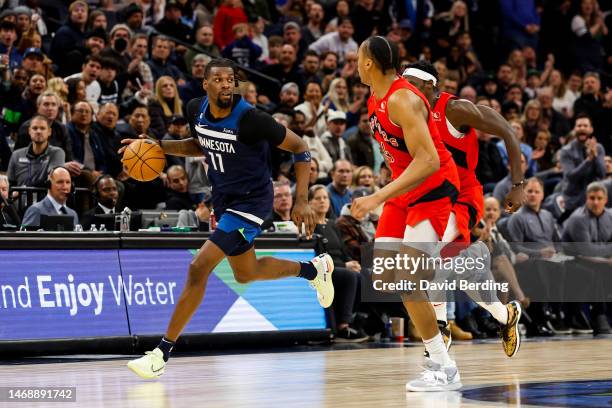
x: 224, y: 104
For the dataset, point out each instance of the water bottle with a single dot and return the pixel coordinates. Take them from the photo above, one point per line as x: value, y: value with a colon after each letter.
x: 93, y: 228
x: 102, y: 228
x: 78, y: 228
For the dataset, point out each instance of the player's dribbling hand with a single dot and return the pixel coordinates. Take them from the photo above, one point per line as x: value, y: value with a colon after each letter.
x: 126, y: 142
x: 303, y: 214
x: 363, y: 205
x: 514, y: 200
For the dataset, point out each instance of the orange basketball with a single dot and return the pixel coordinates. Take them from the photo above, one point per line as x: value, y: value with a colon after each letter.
x: 144, y: 160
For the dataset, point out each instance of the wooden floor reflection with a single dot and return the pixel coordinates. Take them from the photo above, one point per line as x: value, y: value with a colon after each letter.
x: 373, y: 377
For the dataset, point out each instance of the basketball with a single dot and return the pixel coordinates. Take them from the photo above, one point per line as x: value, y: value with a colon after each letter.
x: 144, y: 160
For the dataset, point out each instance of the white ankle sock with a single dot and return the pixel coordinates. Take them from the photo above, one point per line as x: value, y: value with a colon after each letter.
x: 440, y: 309
x: 497, y: 310
x: 437, y: 351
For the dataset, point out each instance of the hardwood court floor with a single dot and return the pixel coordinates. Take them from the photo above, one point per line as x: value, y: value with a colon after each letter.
x: 370, y: 377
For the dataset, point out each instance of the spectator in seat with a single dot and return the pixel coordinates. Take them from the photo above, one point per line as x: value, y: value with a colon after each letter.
x: 503, y: 257
x: 361, y: 142
x: 281, y: 208
x: 106, y: 195
x: 533, y: 231
x: 89, y: 74
x: 172, y: 25
x: 582, y: 162
x: 313, y: 108
x: 54, y: 203
x: 70, y: 36
x: 8, y: 213
x: 89, y: 151
x: 591, y: 100
x: 229, y: 13
x: 289, y: 97
x: 340, y: 41
x: 332, y: 138
x: 95, y: 41
x: 356, y: 232
x: 105, y: 128
x: 193, y: 88
x: 292, y: 35
x: 313, y: 30
x: 178, y: 190
x: 204, y: 45
x: 286, y: 70
x: 48, y: 104
x: 591, y: 223
x: 242, y: 50
x: 310, y: 66
x: 165, y: 104
x: 138, y: 124
x: 557, y: 123
x: 160, y: 61
x: 12, y: 104
x: 8, y: 39
x: 109, y: 87
x: 28, y: 105
x: 339, y: 192
x: 30, y: 165
x: 346, y: 270
x: 33, y: 60
x: 178, y: 129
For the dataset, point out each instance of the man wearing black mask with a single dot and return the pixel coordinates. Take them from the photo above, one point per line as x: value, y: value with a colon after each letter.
x: 120, y: 37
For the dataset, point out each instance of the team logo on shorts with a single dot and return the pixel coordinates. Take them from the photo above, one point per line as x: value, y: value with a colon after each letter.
x: 436, y: 116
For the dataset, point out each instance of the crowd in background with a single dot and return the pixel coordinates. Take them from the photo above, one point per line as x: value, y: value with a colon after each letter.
x: 78, y: 77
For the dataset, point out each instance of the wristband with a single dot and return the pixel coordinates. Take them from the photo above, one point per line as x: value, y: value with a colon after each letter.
x: 302, y: 157
x: 520, y: 183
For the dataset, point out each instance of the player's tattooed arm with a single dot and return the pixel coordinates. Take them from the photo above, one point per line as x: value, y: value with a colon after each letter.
x: 185, y: 148
x: 464, y: 114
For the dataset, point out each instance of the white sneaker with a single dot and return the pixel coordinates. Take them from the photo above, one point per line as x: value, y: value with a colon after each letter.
x: 436, y: 378
x: 149, y: 366
x: 323, y: 282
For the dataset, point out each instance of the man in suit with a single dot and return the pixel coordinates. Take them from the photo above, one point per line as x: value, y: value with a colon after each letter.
x: 54, y: 203
x: 106, y: 194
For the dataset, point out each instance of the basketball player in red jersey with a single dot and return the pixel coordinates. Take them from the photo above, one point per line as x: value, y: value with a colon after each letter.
x: 419, y: 200
x: 456, y: 120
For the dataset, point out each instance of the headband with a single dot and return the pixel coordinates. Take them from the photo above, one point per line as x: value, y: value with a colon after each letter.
x: 418, y: 73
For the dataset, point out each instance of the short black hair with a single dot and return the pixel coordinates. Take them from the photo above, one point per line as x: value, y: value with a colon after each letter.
x: 384, y: 53
x: 109, y: 63
x: 426, y: 67
x: 219, y: 63
x: 310, y: 53
x: 341, y: 20
x: 583, y: 115
x: 93, y: 58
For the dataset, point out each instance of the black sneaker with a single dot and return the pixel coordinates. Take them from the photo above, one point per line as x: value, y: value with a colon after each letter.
x: 469, y: 324
x: 580, y: 324
x: 487, y: 325
x: 559, y: 326
x: 601, y: 325
x: 350, y: 335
